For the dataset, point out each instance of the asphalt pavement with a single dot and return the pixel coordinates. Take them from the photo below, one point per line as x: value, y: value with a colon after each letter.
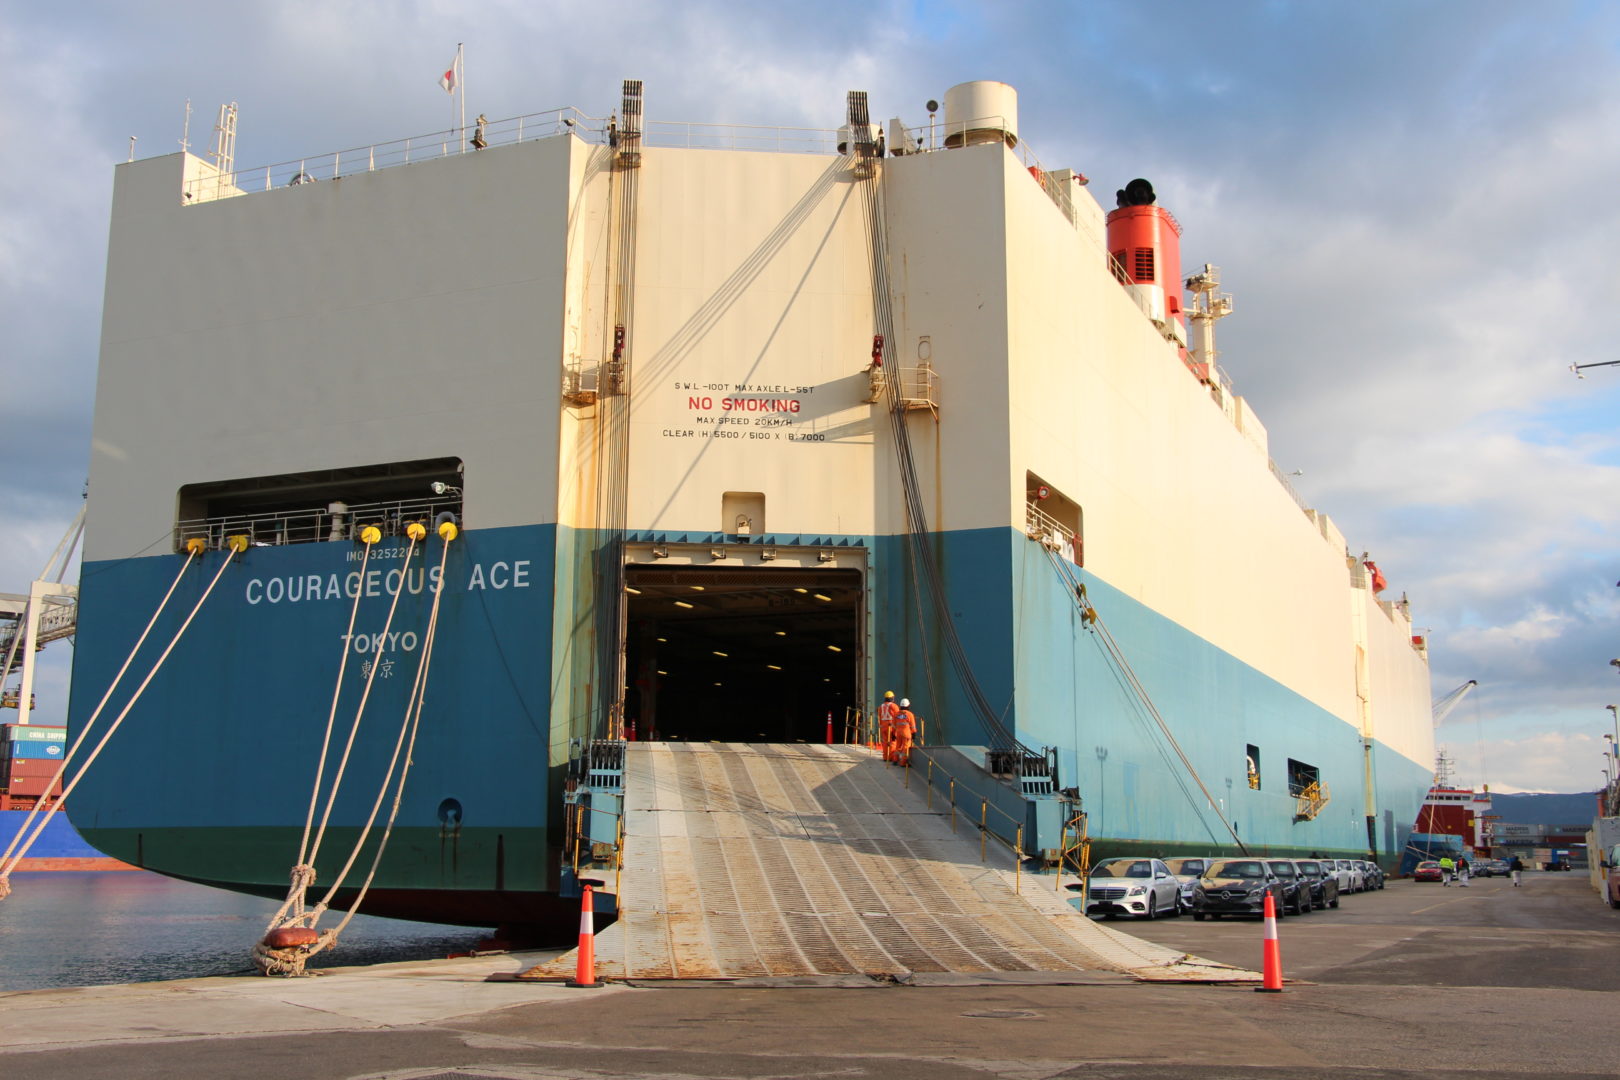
x: 1415, y: 980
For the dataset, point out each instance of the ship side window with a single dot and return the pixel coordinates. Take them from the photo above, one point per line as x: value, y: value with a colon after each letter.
x: 1302, y: 778
x: 1251, y: 762
x: 1053, y: 519
x: 325, y: 505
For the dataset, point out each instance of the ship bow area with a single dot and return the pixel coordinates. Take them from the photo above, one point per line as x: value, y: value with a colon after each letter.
x: 211, y: 775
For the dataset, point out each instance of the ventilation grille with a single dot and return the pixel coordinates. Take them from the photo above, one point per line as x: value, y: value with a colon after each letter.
x: 1143, y: 270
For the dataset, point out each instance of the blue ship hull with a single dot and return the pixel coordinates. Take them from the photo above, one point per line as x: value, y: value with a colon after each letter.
x: 210, y: 777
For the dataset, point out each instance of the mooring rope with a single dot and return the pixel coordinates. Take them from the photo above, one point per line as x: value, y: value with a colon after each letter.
x: 291, y: 958
x: 1090, y: 618
x: 235, y: 545
x: 303, y: 870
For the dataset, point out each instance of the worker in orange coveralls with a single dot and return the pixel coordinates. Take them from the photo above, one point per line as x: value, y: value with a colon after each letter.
x: 885, y: 717
x: 905, y: 727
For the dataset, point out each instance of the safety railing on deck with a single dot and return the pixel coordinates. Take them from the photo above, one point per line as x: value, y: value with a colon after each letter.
x: 314, y: 524
x: 1299, y: 500
x: 492, y: 133
x: 1309, y: 800
x: 1048, y: 531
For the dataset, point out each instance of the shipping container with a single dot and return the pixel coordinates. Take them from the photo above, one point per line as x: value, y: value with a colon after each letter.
x: 52, y: 751
x: 34, y: 785
x: 32, y: 733
x: 29, y: 767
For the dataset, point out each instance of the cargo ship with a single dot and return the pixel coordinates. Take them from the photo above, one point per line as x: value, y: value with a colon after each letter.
x: 601, y: 428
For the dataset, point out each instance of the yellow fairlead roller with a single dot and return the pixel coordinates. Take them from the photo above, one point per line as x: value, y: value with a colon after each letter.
x: 448, y: 531
x: 370, y: 534
x: 196, y: 546
x: 237, y: 543
x: 416, y: 530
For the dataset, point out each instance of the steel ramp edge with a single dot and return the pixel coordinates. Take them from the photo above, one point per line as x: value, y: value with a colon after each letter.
x: 775, y: 865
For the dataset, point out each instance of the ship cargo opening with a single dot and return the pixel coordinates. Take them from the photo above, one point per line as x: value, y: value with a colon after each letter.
x: 738, y: 654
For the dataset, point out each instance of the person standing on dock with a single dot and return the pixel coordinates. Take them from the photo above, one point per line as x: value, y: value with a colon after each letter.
x: 1462, y: 872
x: 1447, y: 868
x: 1516, y: 867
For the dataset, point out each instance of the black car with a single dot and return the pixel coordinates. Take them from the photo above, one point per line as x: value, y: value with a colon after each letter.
x: 1236, y: 887
x: 1324, y: 886
x: 1296, y: 891
x: 1374, y: 873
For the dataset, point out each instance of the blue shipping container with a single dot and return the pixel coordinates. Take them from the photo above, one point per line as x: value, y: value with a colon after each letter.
x: 52, y: 750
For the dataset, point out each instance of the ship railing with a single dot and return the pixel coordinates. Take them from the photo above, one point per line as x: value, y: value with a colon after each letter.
x: 939, y: 779
x: 1282, y: 478
x: 314, y: 524
x: 474, y: 137
x: 919, y: 387
x: 1309, y: 799
x: 1048, y: 531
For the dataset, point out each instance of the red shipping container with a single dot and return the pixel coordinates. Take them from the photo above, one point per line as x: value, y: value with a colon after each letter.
x: 31, y: 767
x: 33, y: 785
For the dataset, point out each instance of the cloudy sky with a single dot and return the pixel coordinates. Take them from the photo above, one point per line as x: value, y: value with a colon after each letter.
x: 1411, y: 202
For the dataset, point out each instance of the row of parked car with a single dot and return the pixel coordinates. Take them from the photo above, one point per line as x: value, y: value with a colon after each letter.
x: 1211, y: 887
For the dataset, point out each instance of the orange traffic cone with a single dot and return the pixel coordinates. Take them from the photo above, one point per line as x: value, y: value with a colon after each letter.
x: 585, y: 968
x: 1272, y: 983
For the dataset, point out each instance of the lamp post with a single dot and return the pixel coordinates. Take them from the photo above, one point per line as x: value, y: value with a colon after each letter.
x: 1614, y: 711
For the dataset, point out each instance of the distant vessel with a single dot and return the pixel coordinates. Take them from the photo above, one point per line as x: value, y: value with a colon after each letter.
x: 1452, y: 821
x: 734, y: 429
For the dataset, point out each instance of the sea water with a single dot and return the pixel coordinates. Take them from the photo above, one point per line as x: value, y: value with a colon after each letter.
x: 89, y: 929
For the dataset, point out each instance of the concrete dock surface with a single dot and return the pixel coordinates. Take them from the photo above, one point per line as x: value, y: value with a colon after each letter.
x: 1412, y: 981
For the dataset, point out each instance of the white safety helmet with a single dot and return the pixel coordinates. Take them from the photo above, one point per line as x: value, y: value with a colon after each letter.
x: 905, y: 703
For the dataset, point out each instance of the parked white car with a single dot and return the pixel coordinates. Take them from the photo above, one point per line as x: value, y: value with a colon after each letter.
x: 1349, y: 875
x: 1144, y: 888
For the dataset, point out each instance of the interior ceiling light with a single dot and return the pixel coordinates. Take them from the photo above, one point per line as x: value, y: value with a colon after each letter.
x: 719, y: 684
x: 717, y: 652
x: 774, y: 667
x: 781, y: 633
x: 834, y: 648
x: 801, y: 590
x: 633, y: 591
x: 663, y: 673
x: 818, y: 596
x: 663, y: 639
x: 695, y: 588
x: 682, y: 603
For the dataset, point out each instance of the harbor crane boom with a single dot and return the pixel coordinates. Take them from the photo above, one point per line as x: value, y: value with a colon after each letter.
x: 1442, y: 708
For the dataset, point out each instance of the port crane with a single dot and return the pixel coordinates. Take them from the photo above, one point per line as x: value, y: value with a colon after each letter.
x: 29, y: 621
x: 1442, y: 708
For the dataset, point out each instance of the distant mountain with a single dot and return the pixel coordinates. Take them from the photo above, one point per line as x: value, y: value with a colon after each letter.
x: 1537, y: 808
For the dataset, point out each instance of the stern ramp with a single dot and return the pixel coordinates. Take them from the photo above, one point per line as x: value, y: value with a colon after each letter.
x: 747, y: 861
